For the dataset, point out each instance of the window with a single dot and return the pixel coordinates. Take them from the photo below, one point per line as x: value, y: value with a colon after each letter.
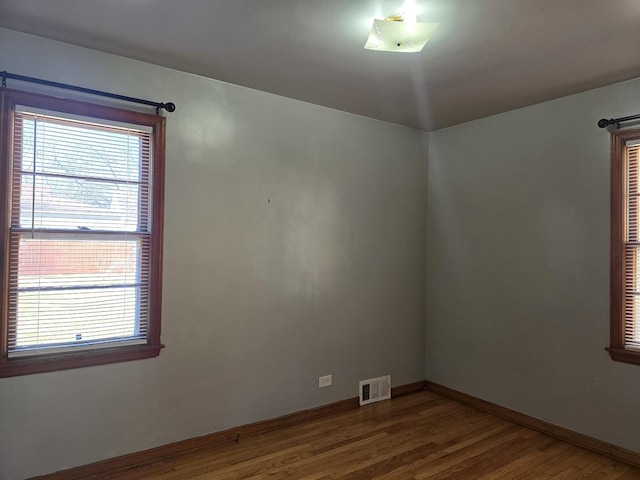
x: 625, y: 246
x: 82, y: 211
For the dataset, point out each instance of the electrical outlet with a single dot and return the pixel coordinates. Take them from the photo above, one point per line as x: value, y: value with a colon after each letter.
x: 324, y: 381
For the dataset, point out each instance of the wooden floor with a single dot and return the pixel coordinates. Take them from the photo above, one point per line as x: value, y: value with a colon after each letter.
x: 418, y: 436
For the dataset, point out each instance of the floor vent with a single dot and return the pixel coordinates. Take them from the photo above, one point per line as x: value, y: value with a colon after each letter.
x: 375, y: 389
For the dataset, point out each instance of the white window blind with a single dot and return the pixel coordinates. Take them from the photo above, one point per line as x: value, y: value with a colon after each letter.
x: 79, y: 272
x: 632, y: 249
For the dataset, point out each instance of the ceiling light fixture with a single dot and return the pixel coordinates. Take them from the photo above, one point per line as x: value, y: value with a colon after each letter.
x: 399, y: 33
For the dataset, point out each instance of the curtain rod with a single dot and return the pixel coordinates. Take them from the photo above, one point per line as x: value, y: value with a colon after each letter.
x: 169, y: 106
x: 604, y: 123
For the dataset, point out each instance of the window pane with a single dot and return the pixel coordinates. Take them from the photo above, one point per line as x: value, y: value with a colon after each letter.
x: 78, y: 204
x: 74, y: 150
x: 77, y: 291
x: 632, y: 328
x: 72, y: 263
x: 76, y: 316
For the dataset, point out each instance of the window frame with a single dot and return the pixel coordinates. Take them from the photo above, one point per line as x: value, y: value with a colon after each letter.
x: 618, y: 267
x: 47, y: 362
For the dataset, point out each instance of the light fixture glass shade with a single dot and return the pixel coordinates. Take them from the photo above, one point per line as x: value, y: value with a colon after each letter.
x: 395, y: 36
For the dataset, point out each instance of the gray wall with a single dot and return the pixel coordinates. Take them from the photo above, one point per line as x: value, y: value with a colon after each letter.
x: 294, y: 248
x: 518, y: 264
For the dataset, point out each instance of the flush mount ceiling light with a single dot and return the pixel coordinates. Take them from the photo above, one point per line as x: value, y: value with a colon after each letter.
x: 399, y: 33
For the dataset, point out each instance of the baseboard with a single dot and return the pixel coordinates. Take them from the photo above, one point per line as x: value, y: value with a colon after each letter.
x: 408, y: 389
x: 618, y: 453
x: 133, y: 459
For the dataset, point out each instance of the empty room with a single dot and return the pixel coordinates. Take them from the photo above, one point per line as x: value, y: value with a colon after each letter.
x: 319, y: 239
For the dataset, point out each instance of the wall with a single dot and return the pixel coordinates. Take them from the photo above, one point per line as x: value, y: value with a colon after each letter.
x: 294, y: 248
x: 518, y: 264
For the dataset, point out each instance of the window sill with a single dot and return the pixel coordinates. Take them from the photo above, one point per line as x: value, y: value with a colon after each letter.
x: 622, y: 355
x: 51, y: 363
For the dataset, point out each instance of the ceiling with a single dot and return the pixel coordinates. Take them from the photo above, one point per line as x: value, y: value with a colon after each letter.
x: 487, y: 56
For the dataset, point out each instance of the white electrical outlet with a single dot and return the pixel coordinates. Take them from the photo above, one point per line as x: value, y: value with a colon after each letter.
x: 324, y: 381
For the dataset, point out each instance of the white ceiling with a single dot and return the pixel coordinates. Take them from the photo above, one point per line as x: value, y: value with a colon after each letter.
x: 487, y: 56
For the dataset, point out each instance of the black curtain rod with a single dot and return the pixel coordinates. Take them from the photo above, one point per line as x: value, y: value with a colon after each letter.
x: 604, y: 123
x: 169, y: 107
